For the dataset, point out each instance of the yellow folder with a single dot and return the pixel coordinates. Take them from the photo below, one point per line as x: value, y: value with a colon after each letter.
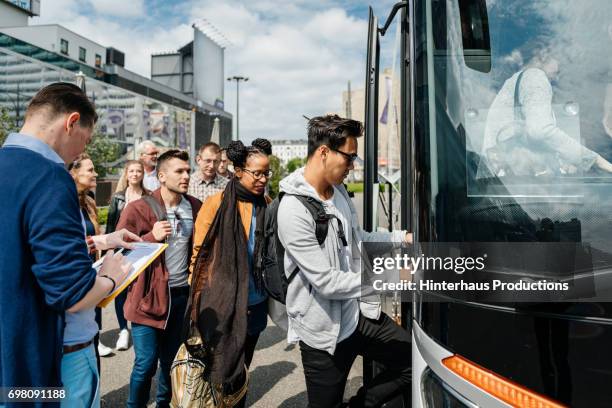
x: 141, y: 257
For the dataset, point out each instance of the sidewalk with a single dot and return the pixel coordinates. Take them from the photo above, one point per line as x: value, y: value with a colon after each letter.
x: 277, y: 379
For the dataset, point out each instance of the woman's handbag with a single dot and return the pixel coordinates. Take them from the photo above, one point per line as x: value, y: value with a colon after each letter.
x: 190, y: 388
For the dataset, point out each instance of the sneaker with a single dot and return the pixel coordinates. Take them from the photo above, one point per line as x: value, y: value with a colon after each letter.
x: 123, y: 340
x: 104, y: 351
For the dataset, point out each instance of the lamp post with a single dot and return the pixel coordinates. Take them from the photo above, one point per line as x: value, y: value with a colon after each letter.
x: 238, y: 79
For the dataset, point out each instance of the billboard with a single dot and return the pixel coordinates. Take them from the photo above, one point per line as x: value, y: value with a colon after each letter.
x: 208, y: 68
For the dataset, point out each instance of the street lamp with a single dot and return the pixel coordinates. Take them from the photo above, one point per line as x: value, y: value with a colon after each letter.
x: 238, y: 79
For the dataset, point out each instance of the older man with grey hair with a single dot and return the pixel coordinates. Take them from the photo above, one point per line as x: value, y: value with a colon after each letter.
x: 147, y: 153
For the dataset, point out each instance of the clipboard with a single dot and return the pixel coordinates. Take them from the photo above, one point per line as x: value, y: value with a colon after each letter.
x: 143, y: 254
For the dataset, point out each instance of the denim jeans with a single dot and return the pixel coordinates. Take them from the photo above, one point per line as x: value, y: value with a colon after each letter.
x: 81, y: 379
x: 151, y: 345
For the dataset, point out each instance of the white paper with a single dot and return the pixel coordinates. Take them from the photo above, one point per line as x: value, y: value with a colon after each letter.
x: 141, y: 255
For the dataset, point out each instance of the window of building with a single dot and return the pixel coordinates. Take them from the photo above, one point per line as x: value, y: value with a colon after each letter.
x: 82, y: 54
x: 64, y: 46
x: 98, y: 61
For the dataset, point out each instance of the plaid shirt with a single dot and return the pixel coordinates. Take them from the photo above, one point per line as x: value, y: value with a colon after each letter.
x: 201, y: 189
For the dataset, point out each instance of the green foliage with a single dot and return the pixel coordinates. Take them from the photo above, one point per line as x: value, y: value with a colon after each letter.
x: 358, y: 187
x: 102, y: 215
x: 7, y: 125
x: 278, y: 172
x: 102, y: 151
x: 355, y: 187
x: 294, y: 164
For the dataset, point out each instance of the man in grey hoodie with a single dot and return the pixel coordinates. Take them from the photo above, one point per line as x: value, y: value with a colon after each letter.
x: 328, y: 316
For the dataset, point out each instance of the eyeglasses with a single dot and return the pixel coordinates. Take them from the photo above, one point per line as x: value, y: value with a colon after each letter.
x: 350, y: 157
x: 259, y: 174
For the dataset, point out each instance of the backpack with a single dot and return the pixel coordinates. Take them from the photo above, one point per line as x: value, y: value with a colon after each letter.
x: 275, y: 280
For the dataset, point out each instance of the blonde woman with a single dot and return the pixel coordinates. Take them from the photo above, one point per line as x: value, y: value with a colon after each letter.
x: 129, y: 188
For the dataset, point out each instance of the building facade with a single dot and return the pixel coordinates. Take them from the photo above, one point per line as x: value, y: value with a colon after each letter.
x: 353, y: 106
x: 131, y: 108
x: 16, y: 12
x: 55, y: 38
x: 286, y: 150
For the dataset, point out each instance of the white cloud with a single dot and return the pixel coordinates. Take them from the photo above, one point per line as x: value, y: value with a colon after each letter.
x: 119, y: 8
x: 299, y: 55
x: 298, y: 59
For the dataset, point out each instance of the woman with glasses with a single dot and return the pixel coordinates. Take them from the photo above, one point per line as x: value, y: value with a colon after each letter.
x: 130, y: 188
x: 228, y: 298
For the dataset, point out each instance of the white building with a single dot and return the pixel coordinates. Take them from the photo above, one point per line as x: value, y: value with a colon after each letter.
x: 286, y: 150
x: 16, y: 12
x: 58, y: 39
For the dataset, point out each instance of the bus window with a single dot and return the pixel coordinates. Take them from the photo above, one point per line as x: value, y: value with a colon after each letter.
x: 475, y: 34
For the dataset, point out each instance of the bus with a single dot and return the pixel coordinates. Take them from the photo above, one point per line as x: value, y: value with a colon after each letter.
x: 504, y: 136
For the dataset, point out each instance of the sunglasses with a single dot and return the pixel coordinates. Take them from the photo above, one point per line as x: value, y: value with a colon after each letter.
x: 350, y: 157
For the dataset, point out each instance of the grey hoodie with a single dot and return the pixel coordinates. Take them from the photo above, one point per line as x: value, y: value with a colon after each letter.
x: 324, y: 299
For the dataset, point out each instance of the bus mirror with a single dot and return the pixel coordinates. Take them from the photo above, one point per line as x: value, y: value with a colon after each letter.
x: 475, y: 34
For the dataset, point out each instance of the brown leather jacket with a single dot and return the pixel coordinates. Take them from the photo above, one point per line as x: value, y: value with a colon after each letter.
x: 147, y: 300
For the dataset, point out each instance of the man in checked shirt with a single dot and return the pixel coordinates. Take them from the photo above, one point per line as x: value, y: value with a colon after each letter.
x: 205, y: 181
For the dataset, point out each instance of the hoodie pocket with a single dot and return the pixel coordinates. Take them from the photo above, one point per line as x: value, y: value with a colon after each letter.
x: 317, y: 316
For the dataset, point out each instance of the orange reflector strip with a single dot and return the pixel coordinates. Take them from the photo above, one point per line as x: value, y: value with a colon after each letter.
x: 498, y: 386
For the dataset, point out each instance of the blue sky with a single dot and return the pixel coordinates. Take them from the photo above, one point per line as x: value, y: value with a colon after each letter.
x: 298, y: 54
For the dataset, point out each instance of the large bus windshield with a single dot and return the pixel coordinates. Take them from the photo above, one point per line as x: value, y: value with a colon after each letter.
x: 513, y: 123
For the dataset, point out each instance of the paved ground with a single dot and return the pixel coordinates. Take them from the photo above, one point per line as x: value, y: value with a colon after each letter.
x: 276, y: 373
x: 277, y: 378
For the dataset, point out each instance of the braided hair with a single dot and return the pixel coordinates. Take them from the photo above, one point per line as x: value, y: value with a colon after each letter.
x: 238, y: 153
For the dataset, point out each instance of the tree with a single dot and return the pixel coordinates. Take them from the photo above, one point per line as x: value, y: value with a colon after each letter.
x: 102, y: 151
x: 295, y: 163
x: 7, y: 125
x: 277, y: 175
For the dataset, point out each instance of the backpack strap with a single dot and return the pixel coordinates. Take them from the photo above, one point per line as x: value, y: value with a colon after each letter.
x: 517, y: 103
x: 293, y: 274
x: 160, y: 213
x: 322, y: 219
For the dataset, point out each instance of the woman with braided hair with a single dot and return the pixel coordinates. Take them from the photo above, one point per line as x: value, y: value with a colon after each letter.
x: 229, y: 303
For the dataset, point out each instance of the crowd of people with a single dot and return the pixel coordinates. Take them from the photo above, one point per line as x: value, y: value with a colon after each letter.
x: 209, y: 277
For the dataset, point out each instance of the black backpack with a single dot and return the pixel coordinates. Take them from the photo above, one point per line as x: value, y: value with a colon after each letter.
x: 273, y: 270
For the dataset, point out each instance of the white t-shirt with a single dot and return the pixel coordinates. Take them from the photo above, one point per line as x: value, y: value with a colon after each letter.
x: 150, y: 181
x: 338, y: 206
x: 177, y: 253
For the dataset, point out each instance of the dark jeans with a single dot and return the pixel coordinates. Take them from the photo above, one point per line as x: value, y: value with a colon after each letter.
x: 380, y: 340
x: 151, y: 345
x: 119, y: 302
x: 249, y: 350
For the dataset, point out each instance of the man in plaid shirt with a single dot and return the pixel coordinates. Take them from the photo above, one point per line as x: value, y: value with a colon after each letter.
x: 205, y: 181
